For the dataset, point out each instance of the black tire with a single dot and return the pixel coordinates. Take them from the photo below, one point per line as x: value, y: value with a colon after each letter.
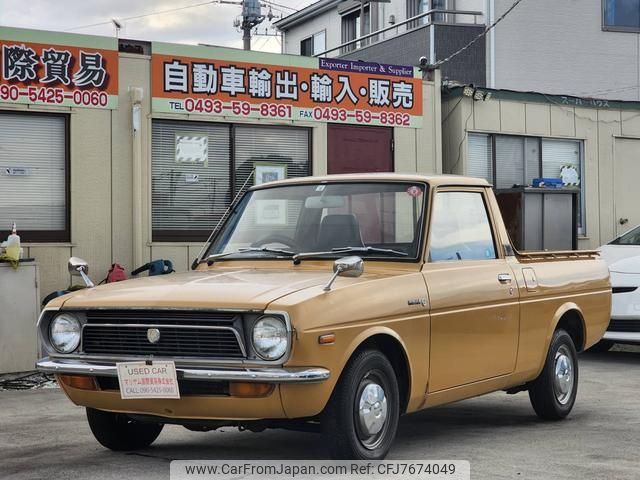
x: 601, y: 347
x: 554, y: 392
x: 344, y: 429
x: 118, y: 432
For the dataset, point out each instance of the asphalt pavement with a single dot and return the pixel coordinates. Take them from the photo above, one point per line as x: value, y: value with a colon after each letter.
x: 42, y: 435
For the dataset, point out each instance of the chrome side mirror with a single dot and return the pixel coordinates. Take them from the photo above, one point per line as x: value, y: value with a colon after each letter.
x: 346, y: 267
x: 78, y: 266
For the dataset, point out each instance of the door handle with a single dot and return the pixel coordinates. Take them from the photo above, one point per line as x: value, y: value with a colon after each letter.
x: 622, y: 221
x: 504, y: 278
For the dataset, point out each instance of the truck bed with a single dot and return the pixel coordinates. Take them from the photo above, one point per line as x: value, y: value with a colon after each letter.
x: 557, y: 255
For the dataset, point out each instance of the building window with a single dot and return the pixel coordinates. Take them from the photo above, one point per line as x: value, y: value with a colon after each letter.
x: 351, y: 29
x: 622, y: 15
x: 416, y: 7
x: 314, y: 45
x: 509, y: 160
x: 34, y: 176
x: 190, y: 193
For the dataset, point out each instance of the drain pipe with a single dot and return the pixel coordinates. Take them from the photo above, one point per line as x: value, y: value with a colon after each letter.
x: 137, y: 94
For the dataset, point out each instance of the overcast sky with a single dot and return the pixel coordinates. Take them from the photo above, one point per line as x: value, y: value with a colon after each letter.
x: 210, y: 23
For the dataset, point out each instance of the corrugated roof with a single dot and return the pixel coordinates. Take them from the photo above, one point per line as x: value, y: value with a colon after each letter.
x: 539, y: 97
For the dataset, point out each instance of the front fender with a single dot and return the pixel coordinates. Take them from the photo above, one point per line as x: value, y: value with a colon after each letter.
x: 309, y: 400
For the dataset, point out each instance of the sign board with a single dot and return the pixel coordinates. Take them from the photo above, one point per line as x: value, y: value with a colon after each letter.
x: 52, y: 68
x: 192, y: 148
x: 139, y: 380
x: 231, y: 83
x: 269, y: 172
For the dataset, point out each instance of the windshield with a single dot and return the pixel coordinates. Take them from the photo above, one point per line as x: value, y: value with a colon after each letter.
x: 325, y: 217
x: 632, y: 237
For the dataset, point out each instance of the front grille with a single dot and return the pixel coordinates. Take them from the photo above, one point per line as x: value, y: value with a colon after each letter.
x: 186, y: 387
x: 182, y: 333
x: 624, y: 326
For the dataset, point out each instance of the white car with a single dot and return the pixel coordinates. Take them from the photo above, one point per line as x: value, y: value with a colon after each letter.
x: 623, y: 257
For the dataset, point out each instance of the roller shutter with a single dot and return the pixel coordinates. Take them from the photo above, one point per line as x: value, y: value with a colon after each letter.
x: 33, y: 174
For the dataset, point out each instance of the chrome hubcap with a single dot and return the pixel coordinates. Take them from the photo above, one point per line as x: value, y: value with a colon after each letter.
x: 372, y: 410
x: 563, y: 375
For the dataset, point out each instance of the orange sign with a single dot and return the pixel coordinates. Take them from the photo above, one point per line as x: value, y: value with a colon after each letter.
x: 235, y: 83
x: 73, y: 73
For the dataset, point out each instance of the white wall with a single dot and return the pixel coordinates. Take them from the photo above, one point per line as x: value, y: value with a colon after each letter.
x: 328, y: 21
x: 559, y: 47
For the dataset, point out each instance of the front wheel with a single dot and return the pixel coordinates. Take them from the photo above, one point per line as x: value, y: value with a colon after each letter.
x: 361, y: 418
x: 553, y: 393
x: 118, y: 432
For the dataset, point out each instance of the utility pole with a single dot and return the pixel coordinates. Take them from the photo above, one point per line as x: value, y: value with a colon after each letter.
x: 251, y: 16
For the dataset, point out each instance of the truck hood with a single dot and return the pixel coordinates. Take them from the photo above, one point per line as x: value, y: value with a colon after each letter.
x: 242, y: 288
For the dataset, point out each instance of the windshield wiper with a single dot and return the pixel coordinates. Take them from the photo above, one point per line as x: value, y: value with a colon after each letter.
x: 388, y: 251
x: 212, y: 258
x: 267, y: 249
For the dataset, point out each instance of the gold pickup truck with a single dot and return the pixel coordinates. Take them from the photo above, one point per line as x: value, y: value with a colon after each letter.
x: 333, y: 304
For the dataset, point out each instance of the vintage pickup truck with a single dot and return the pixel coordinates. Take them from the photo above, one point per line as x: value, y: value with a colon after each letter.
x: 334, y: 304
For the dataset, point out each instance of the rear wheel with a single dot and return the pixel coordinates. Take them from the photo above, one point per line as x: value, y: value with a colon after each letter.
x: 361, y: 419
x: 554, y: 392
x: 118, y: 432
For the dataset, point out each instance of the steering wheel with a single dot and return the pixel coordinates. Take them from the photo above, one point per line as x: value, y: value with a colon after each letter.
x: 275, y: 238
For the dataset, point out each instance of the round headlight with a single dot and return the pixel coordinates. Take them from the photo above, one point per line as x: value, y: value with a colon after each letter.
x: 64, y: 333
x: 270, y: 338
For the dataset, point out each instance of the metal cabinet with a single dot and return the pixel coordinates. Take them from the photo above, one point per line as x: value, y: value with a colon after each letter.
x: 540, y: 218
x: 19, y: 309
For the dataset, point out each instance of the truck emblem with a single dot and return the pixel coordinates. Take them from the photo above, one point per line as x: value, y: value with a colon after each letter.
x: 153, y: 335
x: 417, y: 301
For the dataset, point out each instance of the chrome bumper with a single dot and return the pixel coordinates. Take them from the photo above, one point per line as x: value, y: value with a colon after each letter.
x: 265, y: 375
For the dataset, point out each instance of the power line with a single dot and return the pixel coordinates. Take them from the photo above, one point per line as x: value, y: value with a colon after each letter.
x: 135, y: 17
x: 269, y: 2
x: 484, y: 33
x: 600, y: 92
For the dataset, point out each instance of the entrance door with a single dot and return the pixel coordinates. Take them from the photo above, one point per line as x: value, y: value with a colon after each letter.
x: 473, y: 295
x: 354, y: 149
x: 626, y: 175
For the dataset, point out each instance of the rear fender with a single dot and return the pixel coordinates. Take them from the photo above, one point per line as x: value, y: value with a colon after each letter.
x: 557, y: 316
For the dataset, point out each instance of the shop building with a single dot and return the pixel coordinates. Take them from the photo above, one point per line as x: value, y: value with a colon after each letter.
x: 510, y: 138
x: 126, y: 151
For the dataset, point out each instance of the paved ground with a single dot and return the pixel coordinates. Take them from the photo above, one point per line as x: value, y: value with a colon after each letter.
x: 43, y: 436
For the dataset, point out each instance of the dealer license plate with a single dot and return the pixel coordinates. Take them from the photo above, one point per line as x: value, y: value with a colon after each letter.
x: 140, y: 380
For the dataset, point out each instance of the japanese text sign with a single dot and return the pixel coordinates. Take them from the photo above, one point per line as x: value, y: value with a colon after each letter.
x: 238, y: 84
x: 51, y: 68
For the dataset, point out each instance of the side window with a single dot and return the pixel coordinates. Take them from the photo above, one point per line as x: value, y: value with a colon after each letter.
x: 460, y: 228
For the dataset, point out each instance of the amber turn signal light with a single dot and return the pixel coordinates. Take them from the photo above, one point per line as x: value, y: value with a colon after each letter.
x: 327, y: 339
x: 78, y: 381
x: 246, y: 389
